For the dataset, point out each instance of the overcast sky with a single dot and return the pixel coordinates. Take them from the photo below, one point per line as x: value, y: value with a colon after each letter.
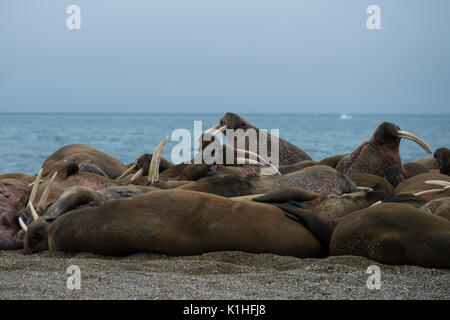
x: 247, y: 56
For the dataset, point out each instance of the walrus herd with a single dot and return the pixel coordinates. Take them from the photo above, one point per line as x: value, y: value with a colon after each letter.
x: 365, y: 203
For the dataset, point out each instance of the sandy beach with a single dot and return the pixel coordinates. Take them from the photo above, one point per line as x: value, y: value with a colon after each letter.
x: 218, y: 275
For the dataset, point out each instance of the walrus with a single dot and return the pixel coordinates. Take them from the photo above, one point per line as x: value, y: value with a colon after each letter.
x: 430, y: 163
x: 374, y: 182
x: 393, y: 233
x: 442, y: 155
x: 328, y: 207
x: 424, y: 185
x: 288, y: 153
x: 75, y: 197
x: 318, y: 178
x: 179, y: 222
x: 88, y: 158
x: 13, y: 199
x: 333, y: 160
x: 22, y: 177
x: 413, y: 169
x: 379, y: 152
x: 439, y: 207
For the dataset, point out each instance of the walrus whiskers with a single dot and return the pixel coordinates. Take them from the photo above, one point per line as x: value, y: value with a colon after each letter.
x: 153, y: 172
x: 410, y: 136
x: 46, y: 193
x: 23, y: 225
x: 33, y: 212
x: 126, y: 172
x: 36, y: 186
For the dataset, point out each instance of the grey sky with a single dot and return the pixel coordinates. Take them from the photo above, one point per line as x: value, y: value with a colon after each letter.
x: 251, y: 56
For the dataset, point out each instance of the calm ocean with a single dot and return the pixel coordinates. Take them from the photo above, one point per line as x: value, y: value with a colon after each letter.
x: 28, y: 139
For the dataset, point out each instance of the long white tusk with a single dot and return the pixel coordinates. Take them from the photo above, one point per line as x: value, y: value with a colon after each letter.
x: 153, y: 172
x: 212, y: 129
x: 32, y: 184
x: 250, y: 153
x: 33, y: 212
x: 374, y: 204
x: 36, y: 186
x: 364, y: 189
x: 429, y: 191
x: 438, y: 183
x: 410, y: 136
x: 23, y: 225
x: 221, y: 129
x: 137, y: 175
x: 126, y: 172
x: 46, y: 192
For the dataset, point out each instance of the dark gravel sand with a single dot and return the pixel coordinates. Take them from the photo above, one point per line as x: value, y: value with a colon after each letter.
x: 219, y: 275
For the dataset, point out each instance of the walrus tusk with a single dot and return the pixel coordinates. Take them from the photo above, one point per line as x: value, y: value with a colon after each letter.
x: 438, y: 183
x: 36, y: 186
x: 250, y: 153
x: 137, y: 175
x: 374, y: 204
x: 46, y: 192
x: 32, y: 184
x: 23, y: 225
x: 430, y: 191
x: 126, y: 172
x: 153, y: 172
x: 364, y: 189
x: 212, y: 129
x: 33, y: 212
x: 220, y: 130
x: 410, y: 136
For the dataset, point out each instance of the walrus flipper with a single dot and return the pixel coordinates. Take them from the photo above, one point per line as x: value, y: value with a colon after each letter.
x: 316, y: 225
x: 287, y: 194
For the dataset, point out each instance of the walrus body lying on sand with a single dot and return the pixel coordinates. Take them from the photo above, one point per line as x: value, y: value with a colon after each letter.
x: 181, y: 222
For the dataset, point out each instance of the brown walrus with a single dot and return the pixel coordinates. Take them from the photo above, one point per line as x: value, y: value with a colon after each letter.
x: 394, y: 233
x: 318, y: 178
x: 80, y: 155
x: 288, y: 153
x: 378, y: 153
x: 179, y: 222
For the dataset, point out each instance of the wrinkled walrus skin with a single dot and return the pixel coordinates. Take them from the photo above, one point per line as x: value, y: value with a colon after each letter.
x: 180, y: 222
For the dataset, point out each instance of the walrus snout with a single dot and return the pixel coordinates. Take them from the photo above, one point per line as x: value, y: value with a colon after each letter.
x: 36, y: 237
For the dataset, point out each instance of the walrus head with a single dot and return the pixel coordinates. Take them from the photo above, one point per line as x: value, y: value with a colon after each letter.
x: 380, y: 152
x: 442, y: 155
x: 36, y: 236
x: 386, y: 139
x: 233, y: 121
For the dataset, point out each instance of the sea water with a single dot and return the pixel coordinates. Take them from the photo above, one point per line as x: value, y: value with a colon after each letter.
x: 26, y: 140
